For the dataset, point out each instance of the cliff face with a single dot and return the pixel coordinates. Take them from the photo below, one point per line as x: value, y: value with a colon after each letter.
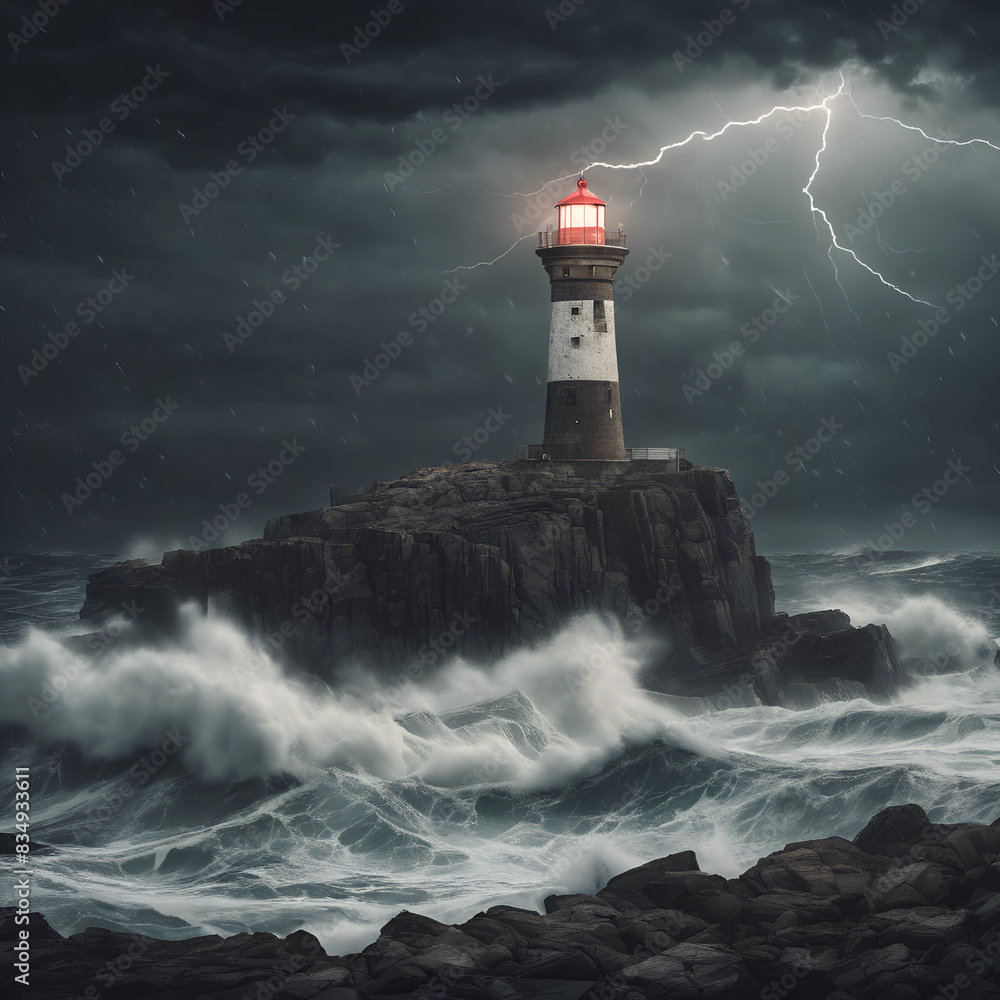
x: 480, y: 559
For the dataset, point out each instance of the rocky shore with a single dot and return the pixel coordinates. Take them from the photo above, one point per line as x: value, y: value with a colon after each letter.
x: 907, y: 910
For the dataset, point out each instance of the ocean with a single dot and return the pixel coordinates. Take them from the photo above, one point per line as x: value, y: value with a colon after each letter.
x: 194, y: 787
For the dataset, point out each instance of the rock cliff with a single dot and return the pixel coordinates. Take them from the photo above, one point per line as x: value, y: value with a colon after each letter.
x: 482, y: 558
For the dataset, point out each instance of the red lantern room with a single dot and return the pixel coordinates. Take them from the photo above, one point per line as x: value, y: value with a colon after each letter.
x: 581, y: 217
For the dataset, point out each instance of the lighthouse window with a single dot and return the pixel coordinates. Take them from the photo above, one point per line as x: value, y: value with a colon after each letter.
x: 565, y: 272
x: 575, y: 341
x: 600, y: 322
x: 609, y: 396
x: 574, y: 310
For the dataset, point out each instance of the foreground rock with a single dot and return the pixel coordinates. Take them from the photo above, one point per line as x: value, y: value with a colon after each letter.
x: 481, y: 559
x: 909, y: 909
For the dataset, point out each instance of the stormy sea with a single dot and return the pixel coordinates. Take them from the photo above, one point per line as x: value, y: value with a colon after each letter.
x: 193, y: 786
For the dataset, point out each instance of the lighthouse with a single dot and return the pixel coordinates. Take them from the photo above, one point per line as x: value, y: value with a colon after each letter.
x: 583, y: 420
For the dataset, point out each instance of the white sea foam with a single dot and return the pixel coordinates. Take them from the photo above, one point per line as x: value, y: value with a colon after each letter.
x: 923, y: 626
x: 925, y: 562
x: 241, y: 716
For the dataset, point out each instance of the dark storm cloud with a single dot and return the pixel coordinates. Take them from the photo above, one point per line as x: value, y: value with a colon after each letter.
x: 610, y: 79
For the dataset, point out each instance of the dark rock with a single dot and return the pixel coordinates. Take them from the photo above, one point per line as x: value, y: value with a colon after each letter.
x: 653, y: 885
x: 851, y: 974
x: 794, y: 662
x: 694, y: 971
x: 921, y: 884
x: 554, y: 903
x: 813, y: 920
x: 824, y: 869
x: 303, y: 943
x: 972, y: 846
x: 893, y: 830
x: 489, y: 557
x: 500, y: 554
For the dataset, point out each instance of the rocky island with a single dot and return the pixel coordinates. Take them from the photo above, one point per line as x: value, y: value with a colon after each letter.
x: 482, y: 558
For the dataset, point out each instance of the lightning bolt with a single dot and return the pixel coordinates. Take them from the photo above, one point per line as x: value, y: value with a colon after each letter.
x: 642, y: 188
x: 823, y: 106
x: 816, y: 210
x: 914, y: 128
x: 707, y: 136
x: 489, y: 263
x: 818, y: 213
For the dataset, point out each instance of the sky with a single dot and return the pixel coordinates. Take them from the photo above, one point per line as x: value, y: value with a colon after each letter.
x: 252, y: 250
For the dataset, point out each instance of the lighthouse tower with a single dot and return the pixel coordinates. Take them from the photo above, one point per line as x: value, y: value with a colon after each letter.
x: 582, y: 407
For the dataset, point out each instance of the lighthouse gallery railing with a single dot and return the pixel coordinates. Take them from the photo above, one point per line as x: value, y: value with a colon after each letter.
x: 577, y: 237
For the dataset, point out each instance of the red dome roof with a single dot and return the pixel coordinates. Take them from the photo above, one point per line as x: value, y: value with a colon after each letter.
x: 581, y: 196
